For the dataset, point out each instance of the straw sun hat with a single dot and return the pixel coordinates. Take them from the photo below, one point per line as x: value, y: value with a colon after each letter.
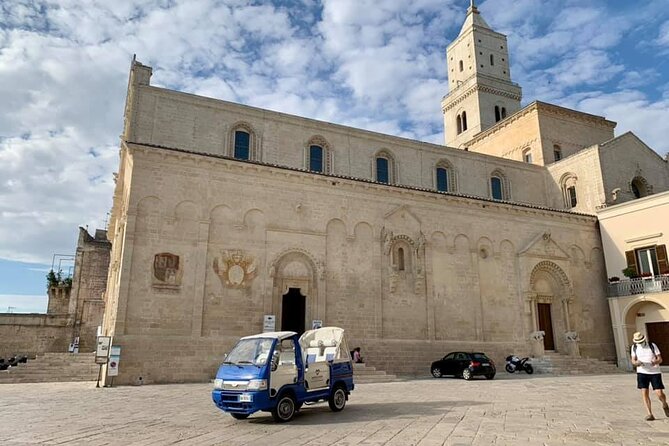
x: 639, y: 338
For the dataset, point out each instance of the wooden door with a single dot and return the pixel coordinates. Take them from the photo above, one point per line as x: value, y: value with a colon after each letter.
x: 546, y: 325
x: 658, y: 334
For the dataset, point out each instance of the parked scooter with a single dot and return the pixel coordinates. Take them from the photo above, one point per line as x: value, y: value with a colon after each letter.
x: 514, y: 363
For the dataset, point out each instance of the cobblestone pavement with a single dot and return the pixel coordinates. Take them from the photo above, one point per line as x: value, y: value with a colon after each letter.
x: 528, y: 410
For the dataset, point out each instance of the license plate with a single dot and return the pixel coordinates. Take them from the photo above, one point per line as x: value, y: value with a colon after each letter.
x: 485, y: 364
x: 245, y: 398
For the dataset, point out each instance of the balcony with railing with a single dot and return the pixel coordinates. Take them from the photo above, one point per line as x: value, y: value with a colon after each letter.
x: 640, y: 285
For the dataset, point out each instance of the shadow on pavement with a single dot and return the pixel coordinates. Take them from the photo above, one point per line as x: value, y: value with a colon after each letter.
x: 366, y: 412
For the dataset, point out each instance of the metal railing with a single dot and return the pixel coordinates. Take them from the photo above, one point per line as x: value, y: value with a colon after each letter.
x: 641, y: 285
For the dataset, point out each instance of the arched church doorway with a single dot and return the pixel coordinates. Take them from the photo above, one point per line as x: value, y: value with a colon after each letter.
x: 550, y: 295
x: 295, y: 290
x: 293, y: 311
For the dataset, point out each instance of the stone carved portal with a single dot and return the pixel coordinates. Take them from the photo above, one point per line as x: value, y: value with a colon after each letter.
x: 295, y: 290
x: 549, y: 298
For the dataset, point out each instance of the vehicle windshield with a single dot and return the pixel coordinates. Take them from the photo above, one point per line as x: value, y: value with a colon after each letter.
x: 250, y: 351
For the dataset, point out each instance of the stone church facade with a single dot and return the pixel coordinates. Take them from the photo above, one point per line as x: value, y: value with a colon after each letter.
x: 225, y: 213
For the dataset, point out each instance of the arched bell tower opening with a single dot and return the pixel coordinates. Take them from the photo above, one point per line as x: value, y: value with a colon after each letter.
x: 549, y: 297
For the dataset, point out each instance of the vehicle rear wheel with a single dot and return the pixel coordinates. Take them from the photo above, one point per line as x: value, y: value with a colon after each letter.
x: 490, y: 376
x: 285, y: 409
x: 337, y: 400
x: 509, y: 368
x: 529, y: 369
x: 436, y: 372
x: 240, y: 416
x: 467, y: 374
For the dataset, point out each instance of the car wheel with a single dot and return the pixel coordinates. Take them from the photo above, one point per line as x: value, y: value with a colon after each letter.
x: 285, y: 409
x: 240, y: 416
x: 490, y: 376
x: 436, y: 372
x: 467, y: 374
x: 337, y: 399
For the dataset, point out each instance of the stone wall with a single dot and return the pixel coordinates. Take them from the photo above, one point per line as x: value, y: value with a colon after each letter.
x: 178, y: 120
x: 31, y: 334
x: 467, y: 277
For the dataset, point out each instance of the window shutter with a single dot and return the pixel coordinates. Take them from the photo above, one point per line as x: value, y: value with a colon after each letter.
x: 662, y: 261
x: 631, y: 261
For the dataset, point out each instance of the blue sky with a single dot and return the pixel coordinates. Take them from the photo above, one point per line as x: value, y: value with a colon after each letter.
x: 378, y: 65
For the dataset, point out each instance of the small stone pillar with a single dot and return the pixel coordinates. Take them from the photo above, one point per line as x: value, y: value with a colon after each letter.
x: 572, y: 339
x: 537, y: 343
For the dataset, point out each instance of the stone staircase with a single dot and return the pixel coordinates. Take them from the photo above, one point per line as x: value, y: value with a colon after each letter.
x: 53, y: 367
x: 558, y: 364
x: 363, y: 374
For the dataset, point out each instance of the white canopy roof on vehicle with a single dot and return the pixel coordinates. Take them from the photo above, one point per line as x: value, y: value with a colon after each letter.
x: 272, y: 335
x: 325, y: 343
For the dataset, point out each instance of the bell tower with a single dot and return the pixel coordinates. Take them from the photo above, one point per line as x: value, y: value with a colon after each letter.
x: 481, y: 92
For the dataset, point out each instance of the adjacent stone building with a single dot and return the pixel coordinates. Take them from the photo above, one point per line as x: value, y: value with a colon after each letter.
x: 74, y: 310
x: 225, y: 213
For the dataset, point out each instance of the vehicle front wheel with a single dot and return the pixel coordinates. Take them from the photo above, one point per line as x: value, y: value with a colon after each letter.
x: 285, y: 409
x: 337, y: 399
x: 467, y: 374
x: 240, y: 416
x: 436, y: 372
x: 490, y: 376
x: 509, y: 368
x: 529, y: 369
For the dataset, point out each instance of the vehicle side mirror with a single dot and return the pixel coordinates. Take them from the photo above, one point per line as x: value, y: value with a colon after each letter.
x: 275, y: 360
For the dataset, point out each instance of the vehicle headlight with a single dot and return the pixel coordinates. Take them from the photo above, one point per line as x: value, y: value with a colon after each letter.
x: 218, y: 384
x: 257, y: 384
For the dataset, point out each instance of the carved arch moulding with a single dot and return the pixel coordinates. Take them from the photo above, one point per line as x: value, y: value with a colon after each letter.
x: 318, y: 265
x: 557, y: 273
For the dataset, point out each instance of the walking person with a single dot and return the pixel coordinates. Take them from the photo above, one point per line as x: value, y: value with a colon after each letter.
x: 647, y: 359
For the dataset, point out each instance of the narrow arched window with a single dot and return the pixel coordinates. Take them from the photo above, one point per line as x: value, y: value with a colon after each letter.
x: 316, y: 158
x: 571, y: 196
x: 496, y: 189
x: 492, y: 60
x: 442, y: 179
x: 458, y: 123
x: 503, y: 112
x: 498, y: 116
x: 464, y: 121
x: 400, y: 259
x: 242, y: 145
x: 462, y: 66
x: 382, y: 170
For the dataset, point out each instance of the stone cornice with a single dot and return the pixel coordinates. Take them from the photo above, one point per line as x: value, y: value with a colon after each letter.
x: 358, y: 184
x: 447, y: 105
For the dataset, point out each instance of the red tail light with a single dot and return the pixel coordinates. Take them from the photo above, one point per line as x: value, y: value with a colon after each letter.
x: 474, y: 364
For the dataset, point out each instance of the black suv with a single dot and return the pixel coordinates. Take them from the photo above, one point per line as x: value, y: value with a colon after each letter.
x: 464, y: 364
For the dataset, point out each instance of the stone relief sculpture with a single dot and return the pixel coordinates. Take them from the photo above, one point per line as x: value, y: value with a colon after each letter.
x: 235, y: 268
x: 537, y: 335
x: 166, y: 270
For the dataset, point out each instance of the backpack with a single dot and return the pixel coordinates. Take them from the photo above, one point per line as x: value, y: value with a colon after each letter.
x: 652, y: 349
